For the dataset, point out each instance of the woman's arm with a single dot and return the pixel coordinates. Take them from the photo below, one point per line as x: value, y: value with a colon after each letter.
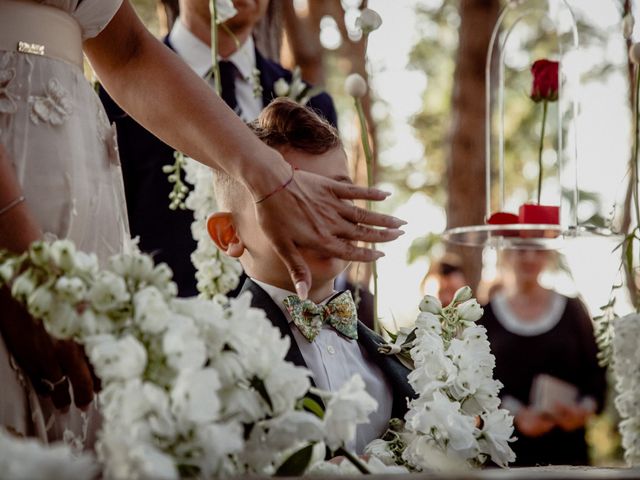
x: 157, y: 89
x: 18, y: 228
x: 40, y: 356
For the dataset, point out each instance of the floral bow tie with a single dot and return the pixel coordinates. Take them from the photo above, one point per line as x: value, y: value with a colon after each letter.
x: 339, y: 312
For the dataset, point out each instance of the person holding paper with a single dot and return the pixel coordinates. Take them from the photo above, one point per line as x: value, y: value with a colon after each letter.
x: 546, y: 358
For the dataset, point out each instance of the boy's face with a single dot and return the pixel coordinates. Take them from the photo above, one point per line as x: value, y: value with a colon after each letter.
x: 259, y: 259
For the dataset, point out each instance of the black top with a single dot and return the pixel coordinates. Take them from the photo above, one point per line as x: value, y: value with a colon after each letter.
x: 567, y: 351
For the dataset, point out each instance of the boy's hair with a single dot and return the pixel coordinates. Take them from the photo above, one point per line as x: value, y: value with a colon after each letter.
x: 282, y: 124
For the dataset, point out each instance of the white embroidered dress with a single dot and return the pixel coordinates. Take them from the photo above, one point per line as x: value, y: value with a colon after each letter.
x: 57, y: 134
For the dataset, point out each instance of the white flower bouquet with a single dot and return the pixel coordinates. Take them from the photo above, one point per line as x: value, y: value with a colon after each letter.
x: 191, y: 387
x: 455, y: 419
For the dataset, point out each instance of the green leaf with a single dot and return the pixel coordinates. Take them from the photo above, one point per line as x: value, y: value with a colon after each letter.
x: 312, y: 406
x: 258, y: 384
x: 629, y: 255
x: 296, y: 464
x: 422, y: 247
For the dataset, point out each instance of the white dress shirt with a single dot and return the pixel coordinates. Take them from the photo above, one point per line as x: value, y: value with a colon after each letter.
x: 198, y: 56
x: 333, y: 359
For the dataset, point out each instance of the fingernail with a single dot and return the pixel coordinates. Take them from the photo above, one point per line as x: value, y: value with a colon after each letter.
x: 379, y: 255
x: 302, y: 290
x: 400, y: 222
x: 401, y: 232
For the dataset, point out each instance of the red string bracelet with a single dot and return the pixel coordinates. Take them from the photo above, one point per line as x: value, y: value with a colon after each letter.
x: 281, y: 187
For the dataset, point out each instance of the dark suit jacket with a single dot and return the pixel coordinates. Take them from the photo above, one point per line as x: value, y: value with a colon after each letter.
x: 394, y: 371
x: 166, y: 233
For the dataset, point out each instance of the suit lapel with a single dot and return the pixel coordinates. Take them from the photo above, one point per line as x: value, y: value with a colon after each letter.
x: 261, y: 299
x: 395, y: 372
x: 268, y: 77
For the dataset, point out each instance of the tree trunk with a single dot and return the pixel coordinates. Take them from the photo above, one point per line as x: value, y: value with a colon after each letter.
x: 466, y: 162
x: 628, y: 207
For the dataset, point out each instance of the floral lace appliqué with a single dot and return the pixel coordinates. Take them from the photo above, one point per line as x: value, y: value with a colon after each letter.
x: 52, y: 107
x: 107, y: 133
x: 7, y: 99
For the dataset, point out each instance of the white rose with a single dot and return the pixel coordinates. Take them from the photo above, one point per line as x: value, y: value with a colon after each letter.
x: 62, y: 254
x: 108, y: 292
x: 194, y: 398
x: 355, y: 85
x: 40, y: 301
x: 23, y: 285
x: 456, y: 430
x: 39, y: 254
x: 369, y: 20
x: 92, y: 323
x: 430, y: 304
x: 224, y: 10
x: 7, y: 270
x: 348, y: 407
x: 85, y: 263
x: 62, y: 320
x: 71, y: 289
x: 497, y: 432
x: 462, y: 295
x: 215, y: 461
x: 285, y: 385
x: 116, y: 359
x: 380, y: 449
x: 281, y: 88
x: 151, y: 462
x: 27, y: 458
x: 151, y: 312
x: 470, y: 310
x: 182, y: 344
x: 292, y: 428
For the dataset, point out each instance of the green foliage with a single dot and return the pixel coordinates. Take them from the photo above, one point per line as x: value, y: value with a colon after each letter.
x: 422, y: 247
x: 434, y: 53
x: 296, y: 464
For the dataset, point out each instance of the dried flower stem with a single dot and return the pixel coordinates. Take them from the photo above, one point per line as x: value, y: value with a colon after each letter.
x: 215, y: 67
x: 364, y: 134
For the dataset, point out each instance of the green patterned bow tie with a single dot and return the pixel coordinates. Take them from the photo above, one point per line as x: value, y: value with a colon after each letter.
x: 339, y: 312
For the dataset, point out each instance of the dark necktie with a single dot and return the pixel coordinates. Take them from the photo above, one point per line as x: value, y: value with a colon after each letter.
x: 228, y: 73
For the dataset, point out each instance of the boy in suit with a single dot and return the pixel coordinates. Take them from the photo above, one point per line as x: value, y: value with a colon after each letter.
x: 248, y: 80
x: 325, y: 333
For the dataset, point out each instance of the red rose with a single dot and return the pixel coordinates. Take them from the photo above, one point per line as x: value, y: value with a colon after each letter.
x: 545, y: 80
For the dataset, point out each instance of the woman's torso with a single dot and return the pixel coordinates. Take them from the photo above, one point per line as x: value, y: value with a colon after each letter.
x: 58, y: 136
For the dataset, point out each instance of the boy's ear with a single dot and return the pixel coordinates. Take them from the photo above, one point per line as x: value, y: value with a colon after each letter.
x: 223, y: 232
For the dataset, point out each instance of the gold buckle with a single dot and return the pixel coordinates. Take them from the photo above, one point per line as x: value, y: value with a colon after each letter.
x: 32, y: 48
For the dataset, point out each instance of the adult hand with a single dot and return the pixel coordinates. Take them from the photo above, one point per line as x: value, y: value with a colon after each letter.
x: 533, y: 424
x: 570, y: 417
x: 50, y: 364
x: 317, y: 213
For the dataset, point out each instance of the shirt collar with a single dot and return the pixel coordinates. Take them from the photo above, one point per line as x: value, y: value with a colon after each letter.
x: 279, y: 294
x: 197, y: 54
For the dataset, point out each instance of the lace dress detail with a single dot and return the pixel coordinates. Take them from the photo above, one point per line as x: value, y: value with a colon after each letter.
x: 52, y: 126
